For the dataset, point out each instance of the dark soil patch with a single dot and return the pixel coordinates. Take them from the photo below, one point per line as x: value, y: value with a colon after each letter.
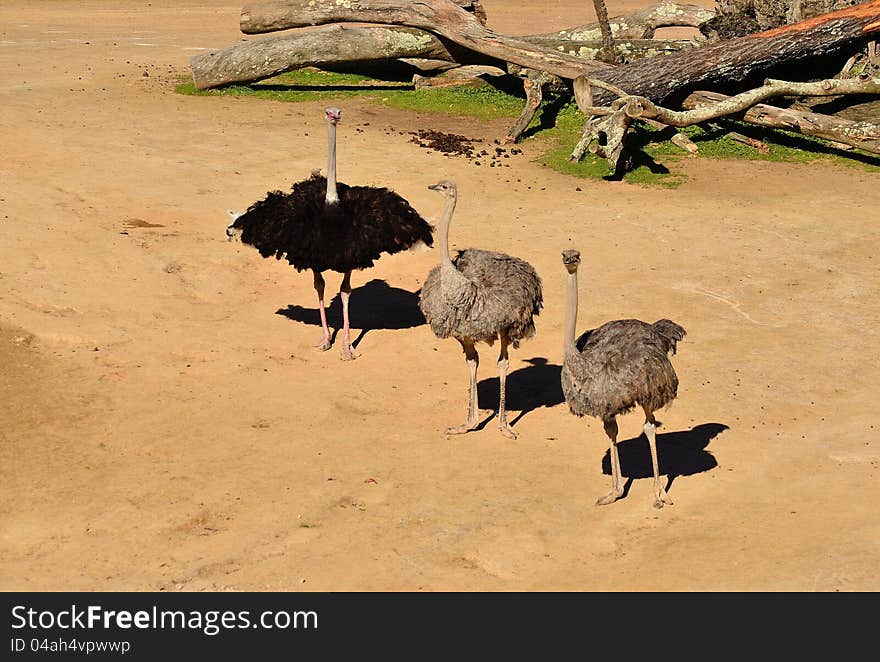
x: 451, y: 144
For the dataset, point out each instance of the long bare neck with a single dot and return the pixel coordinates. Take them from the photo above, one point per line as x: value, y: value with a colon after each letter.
x: 445, y: 222
x: 571, y: 313
x: 331, y: 198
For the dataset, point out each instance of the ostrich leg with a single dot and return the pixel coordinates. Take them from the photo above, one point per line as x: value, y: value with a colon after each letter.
x: 473, y: 360
x: 502, y: 378
x: 616, y: 489
x: 348, y: 354
x: 324, y: 343
x: 660, y: 496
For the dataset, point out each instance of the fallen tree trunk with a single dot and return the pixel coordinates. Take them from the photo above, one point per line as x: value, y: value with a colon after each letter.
x: 249, y: 61
x: 861, y: 135
x: 439, y: 16
x: 730, y: 64
x: 740, y: 63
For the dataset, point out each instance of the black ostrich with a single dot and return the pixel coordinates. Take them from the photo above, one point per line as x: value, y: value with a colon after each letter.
x: 614, y: 367
x: 324, y: 224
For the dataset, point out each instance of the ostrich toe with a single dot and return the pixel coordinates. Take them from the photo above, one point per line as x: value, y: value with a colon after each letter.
x: 507, y: 431
x: 661, y: 498
x: 461, y: 429
x: 347, y: 353
x: 611, y: 497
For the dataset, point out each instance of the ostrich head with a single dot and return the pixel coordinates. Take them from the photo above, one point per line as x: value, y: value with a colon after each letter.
x: 571, y: 259
x: 333, y: 115
x: 446, y: 188
x: 233, y: 233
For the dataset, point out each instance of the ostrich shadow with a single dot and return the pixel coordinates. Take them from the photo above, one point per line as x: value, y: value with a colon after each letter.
x: 680, y: 453
x: 527, y: 389
x: 374, y: 305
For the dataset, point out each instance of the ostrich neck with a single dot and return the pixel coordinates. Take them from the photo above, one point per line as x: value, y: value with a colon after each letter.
x: 445, y: 222
x: 331, y: 198
x: 571, y: 312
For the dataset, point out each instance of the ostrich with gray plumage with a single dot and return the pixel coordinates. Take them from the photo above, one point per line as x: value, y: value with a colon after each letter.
x: 611, y: 369
x: 480, y: 296
x: 322, y: 224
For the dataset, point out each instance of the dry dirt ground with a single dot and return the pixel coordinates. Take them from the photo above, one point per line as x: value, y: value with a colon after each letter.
x: 166, y: 425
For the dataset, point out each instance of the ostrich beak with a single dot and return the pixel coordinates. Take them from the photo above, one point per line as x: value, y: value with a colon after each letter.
x: 571, y: 257
x: 434, y: 187
x: 333, y: 115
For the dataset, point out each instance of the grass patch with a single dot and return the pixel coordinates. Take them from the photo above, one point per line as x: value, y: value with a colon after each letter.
x: 560, y: 123
x: 655, y: 161
x: 314, y: 84
x: 565, y: 134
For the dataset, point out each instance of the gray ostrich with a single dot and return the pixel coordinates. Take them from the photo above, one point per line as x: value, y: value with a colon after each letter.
x: 619, y: 365
x: 481, y: 296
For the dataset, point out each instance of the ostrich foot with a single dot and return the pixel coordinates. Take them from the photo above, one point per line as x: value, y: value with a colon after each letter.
x: 347, y: 353
x: 324, y: 343
x: 661, y: 498
x: 611, y: 497
x: 507, y: 431
x: 461, y: 429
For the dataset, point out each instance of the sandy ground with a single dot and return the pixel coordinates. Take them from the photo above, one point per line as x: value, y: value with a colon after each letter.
x: 165, y: 424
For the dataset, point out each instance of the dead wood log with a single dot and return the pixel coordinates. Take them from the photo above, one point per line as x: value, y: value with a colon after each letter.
x: 469, y: 75
x: 861, y: 135
x: 439, y: 16
x: 533, y: 84
x: 675, y: 137
x: 732, y: 63
x: 535, y: 81
x: 759, y: 145
x: 250, y: 61
x: 640, y: 107
x: 738, y: 63
x: 608, y: 127
x: 332, y: 44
